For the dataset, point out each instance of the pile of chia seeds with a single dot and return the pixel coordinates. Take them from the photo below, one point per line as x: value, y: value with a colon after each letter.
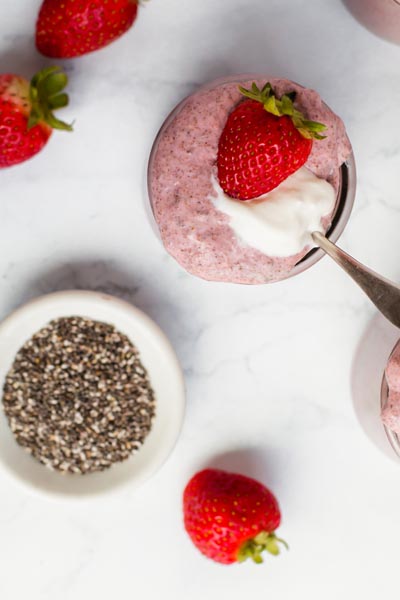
x: 77, y: 396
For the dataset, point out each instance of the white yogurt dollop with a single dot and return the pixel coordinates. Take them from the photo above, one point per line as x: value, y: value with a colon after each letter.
x: 280, y: 223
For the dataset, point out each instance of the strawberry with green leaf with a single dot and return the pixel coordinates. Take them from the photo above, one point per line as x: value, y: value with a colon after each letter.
x: 230, y: 517
x: 265, y: 139
x: 27, y: 113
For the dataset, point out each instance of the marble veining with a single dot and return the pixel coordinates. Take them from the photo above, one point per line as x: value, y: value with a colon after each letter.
x: 274, y: 373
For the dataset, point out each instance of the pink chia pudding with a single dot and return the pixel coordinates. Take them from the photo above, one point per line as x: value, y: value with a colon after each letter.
x: 391, y: 399
x: 181, y: 190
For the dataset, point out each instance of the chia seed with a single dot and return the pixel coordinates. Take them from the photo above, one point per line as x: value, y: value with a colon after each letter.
x: 77, y: 396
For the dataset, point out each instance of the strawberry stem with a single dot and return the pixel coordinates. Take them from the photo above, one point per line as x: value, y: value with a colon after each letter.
x: 264, y: 541
x: 46, y: 95
x: 284, y: 106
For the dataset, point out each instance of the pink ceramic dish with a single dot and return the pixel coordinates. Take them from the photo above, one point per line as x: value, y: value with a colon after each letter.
x: 181, y: 165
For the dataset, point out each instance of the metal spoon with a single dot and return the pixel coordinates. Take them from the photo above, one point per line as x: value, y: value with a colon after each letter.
x: 384, y: 293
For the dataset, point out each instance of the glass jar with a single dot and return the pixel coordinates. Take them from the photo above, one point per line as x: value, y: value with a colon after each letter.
x: 346, y: 176
x: 382, y: 17
x: 393, y: 438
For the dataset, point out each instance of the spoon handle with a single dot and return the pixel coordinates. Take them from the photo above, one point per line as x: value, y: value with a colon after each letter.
x: 384, y: 293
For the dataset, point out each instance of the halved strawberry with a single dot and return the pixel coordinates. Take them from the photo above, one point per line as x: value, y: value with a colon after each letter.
x: 265, y: 139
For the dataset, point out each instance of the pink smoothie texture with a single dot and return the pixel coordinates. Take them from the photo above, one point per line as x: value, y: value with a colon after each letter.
x: 391, y: 411
x: 193, y: 231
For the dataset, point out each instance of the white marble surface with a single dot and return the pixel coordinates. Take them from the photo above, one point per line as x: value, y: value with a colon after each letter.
x: 273, y: 372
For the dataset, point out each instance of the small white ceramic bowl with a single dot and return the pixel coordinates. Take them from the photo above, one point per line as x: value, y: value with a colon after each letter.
x: 157, y: 356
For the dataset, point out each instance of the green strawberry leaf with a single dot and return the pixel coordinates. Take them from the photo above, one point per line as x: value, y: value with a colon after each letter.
x: 46, y: 95
x: 287, y: 105
x: 284, y: 106
x: 315, y: 126
x: 58, y: 101
x: 54, y: 84
x: 272, y: 547
x: 254, y: 548
x: 271, y: 106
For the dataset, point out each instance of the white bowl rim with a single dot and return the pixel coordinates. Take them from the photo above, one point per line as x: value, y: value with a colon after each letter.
x: 54, y: 302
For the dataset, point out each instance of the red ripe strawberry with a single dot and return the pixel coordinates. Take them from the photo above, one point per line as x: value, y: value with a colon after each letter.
x: 68, y: 28
x: 26, y: 117
x: 230, y: 517
x: 263, y: 142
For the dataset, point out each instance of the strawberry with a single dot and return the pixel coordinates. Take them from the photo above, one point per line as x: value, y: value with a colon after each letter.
x: 265, y: 139
x: 230, y: 517
x: 68, y: 28
x: 26, y: 117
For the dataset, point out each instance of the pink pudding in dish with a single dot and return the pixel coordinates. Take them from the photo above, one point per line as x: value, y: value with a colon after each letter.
x: 390, y: 398
x: 382, y: 17
x: 267, y: 237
